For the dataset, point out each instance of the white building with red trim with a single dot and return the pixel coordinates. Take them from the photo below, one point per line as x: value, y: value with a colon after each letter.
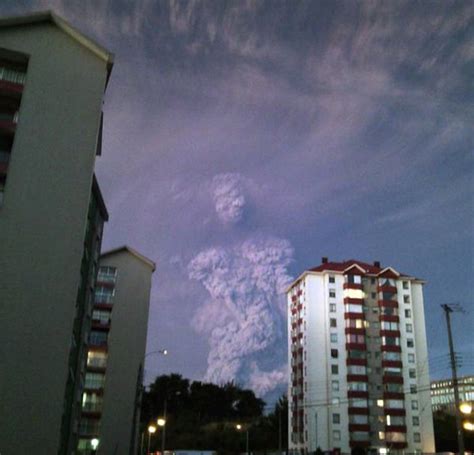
x: 358, y: 360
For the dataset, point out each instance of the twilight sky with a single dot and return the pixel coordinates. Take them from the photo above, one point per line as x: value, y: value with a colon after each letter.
x: 246, y: 139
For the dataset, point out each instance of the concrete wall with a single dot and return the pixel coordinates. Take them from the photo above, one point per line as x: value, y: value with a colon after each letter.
x: 127, y: 343
x: 423, y: 374
x: 42, y: 227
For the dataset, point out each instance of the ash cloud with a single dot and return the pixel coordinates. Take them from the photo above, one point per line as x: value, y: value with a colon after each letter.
x: 228, y: 196
x: 244, y: 318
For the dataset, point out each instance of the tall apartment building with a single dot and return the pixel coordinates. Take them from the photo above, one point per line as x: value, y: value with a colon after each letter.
x: 358, y: 360
x: 52, y: 83
x: 115, y: 353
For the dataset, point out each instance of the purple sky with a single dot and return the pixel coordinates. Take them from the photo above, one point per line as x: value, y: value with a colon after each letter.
x: 244, y: 140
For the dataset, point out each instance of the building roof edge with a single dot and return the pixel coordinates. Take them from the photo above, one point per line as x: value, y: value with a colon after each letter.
x: 66, y: 27
x: 133, y: 252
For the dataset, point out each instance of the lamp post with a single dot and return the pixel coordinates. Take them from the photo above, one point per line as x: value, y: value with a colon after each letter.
x: 138, y: 397
x: 162, y: 423
x: 151, y: 430
x: 239, y: 427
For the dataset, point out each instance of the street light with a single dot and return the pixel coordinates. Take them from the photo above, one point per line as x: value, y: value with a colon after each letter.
x: 161, y: 422
x: 469, y: 426
x: 94, y: 444
x: 239, y: 427
x: 139, y: 392
x: 151, y: 430
x: 465, y: 408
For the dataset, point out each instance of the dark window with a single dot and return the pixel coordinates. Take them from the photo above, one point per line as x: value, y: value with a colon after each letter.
x: 334, y: 353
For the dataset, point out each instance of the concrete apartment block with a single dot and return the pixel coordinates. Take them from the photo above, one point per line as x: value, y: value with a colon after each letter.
x: 50, y: 225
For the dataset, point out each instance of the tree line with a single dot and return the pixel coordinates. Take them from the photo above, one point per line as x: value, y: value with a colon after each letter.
x: 204, y: 416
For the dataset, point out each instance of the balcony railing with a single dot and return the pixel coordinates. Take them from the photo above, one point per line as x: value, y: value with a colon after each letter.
x: 11, y: 75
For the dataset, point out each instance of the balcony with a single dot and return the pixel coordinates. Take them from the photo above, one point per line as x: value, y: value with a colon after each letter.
x: 362, y: 362
x: 392, y: 379
x: 388, y: 303
x: 387, y: 288
x: 357, y: 394
x: 353, y: 286
x: 92, y: 408
x: 392, y: 363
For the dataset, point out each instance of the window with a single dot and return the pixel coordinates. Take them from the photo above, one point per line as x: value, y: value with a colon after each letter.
x: 357, y: 339
x: 350, y: 308
x: 358, y: 403
x: 411, y: 358
x: 412, y: 373
x: 372, y: 281
x: 357, y: 386
x: 356, y: 369
x: 386, y: 325
x: 397, y: 388
x: 395, y: 420
x: 391, y: 341
x: 392, y: 371
x: 381, y: 435
x: 332, y: 307
x: 336, y: 418
x: 334, y: 369
x: 416, y: 437
x: 354, y: 279
x: 107, y: 274
x: 394, y: 404
x: 409, y: 328
x: 333, y: 337
x: 354, y: 323
x: 336, y: 435
x: 414, y: 404
x: 389, y: 311
x: 94, y: 381
x: 335, y: 386
x: 333, y: 322
x: 358, y: 419
x: 412, y: 388
x: 406, y: 298
x: 408, y: 314
x: 405, y: 285
x: 380, y: 403
x: 416, y: 421
x: 410, y: 343
x: 334, y: 353
x: 96, y: 359
x: 104, y: 294
x: 97, y: 338
x: 332, y: 293
x: 397, y: 356
x: 332, y: 279
x: 102, y: 317
x: 355, y: 354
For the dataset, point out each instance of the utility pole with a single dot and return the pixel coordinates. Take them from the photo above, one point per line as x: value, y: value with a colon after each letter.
x: 279, y: 430
x: 448, y: 310
x: 163, y: 434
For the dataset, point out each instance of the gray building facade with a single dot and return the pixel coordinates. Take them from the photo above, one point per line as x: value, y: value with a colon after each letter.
x: 110, y: 404
x: 52, y: 82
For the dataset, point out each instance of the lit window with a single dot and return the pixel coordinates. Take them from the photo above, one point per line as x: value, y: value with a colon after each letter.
x: 381, y: 435
x: 380, y: 403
